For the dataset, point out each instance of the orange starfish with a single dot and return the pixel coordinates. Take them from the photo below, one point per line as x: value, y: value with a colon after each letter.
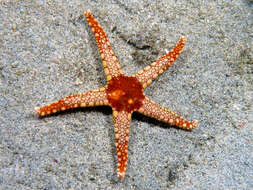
x: 125, y: 94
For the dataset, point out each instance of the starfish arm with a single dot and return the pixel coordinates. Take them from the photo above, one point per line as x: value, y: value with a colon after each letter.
x: 86, y: 99
x: 151, y: 109
x: 121, y: 121
x: 151, y: 72
x: 109, y: 60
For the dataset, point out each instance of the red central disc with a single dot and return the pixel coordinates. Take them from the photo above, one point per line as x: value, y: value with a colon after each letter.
x: 125, y: 93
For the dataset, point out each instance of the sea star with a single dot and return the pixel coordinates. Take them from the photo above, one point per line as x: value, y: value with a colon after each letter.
x: 125, y: 94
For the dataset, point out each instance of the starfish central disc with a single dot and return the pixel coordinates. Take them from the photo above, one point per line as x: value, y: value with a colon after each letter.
x: 125, y: 93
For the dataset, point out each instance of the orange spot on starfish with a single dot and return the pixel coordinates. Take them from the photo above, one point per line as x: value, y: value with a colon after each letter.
x: 125, y: 93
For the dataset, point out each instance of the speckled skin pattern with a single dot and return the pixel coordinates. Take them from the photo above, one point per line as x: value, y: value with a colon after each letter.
x: 125, y: 94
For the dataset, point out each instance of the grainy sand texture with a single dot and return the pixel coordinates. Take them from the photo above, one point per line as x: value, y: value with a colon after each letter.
x: 48, y: 52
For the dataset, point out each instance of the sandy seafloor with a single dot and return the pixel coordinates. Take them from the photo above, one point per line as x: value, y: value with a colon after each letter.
x: 48, y: 52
